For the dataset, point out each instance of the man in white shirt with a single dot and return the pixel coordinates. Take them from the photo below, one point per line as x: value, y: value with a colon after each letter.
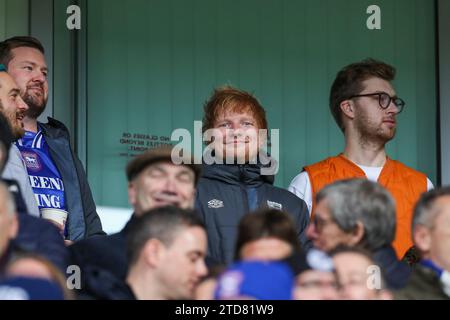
x: 365, y: 107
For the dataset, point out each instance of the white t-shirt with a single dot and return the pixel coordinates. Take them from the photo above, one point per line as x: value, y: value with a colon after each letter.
x: 301, y: 185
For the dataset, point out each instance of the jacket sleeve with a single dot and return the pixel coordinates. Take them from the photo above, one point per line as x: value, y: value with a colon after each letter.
x: 40, y: 236
x: 302, y: 222
x: 92, y: 220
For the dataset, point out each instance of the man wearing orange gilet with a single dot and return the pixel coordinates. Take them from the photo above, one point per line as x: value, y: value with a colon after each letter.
x: 365, y: 107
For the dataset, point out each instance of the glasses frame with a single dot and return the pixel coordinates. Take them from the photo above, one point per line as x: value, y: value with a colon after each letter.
x: 398, y: 102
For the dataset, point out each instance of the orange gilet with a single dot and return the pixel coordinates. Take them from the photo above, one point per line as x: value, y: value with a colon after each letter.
x: 405, y: 184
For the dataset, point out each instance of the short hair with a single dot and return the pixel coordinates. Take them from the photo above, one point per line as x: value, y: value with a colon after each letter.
x: 5, y: 196
x: 266, y: 223
x: 423, y: 210
x: 232, y: 99
x: 8, y: 45
x: 349, y: 81
x: 163, y: 223
x: 353, y: 200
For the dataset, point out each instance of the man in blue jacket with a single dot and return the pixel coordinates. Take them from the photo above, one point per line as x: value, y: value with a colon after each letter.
x: 235, y: 180
x: 56, y: 175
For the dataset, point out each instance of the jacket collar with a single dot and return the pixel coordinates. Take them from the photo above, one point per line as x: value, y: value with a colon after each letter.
x: 246, y: 174
x: 53, y: 128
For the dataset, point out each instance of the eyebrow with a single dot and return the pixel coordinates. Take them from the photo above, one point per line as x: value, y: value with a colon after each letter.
x: 196, y: 254
x: 14, y: 90
x: 185, y: 171
x: 34, y: 64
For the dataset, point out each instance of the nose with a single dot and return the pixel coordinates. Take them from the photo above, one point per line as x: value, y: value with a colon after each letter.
x: 329, y: 293
x: 21, y: 105
x: 392, y: 108
x: 202, y: 270
x: 39, y: 76
x: 311, y: 231
x: 171, y: 184
x: 236, y: 131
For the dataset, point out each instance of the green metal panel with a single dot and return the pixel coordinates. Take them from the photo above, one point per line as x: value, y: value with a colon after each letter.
x: 13, y: 18
x: 63, y: 67
x: 152, y: 64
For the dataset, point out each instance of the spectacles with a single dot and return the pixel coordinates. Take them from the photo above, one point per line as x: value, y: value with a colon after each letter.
x: 320, y: 223
x: 384, y: 100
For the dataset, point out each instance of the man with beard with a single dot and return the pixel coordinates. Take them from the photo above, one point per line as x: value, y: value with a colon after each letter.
x: 55, y: 173
x: 238, y: 180
x: 13, y: 108
x: 365, y: 106
x: 34, y: 234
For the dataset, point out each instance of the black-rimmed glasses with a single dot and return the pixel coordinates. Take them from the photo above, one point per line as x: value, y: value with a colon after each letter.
x: 384, y: 100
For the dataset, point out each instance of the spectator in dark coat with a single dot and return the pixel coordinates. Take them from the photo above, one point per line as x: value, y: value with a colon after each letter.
x: 238, y: 174
x: 359, y: 212
x: 154, y: 181
x: 430, y: 279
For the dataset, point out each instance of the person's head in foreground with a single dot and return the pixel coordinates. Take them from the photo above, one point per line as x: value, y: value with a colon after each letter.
x: 353, y: 212
x: 31, y: 265
x: 260, y: 280
x: 267, y: 234
x: 431, y: 227
x: 166, y: 249
x: 315, y: 276
x: 359, y: 278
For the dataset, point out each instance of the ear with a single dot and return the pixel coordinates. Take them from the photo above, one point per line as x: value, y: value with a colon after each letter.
x: 132, y: 193
x: 348, y: 108
x: 13, y: 226
x: 422, y: 238
x: 152, y: 252
x: 357, y: 234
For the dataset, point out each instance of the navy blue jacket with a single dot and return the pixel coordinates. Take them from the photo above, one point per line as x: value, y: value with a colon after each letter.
x: 108, y: 253
x: 225, y: 193
x: 103, y: 253
x: 100, y: 284
x: 38, y: 235
x: 395, y: 272
x: 83, y: 220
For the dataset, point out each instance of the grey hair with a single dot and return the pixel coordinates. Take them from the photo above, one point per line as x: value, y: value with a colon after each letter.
x: 7, y: 198
x: 364, y: 201
x: 424, y: 213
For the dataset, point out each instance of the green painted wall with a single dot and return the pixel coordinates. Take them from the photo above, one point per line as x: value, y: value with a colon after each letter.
x: 13, y: 18
x: 152, y: 64
x: 63, y: 64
